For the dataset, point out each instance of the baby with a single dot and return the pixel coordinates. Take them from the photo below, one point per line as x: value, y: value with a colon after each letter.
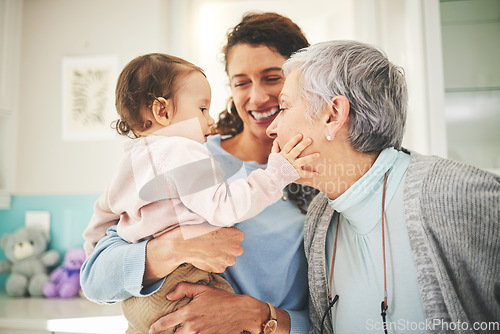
x: 168, y: 178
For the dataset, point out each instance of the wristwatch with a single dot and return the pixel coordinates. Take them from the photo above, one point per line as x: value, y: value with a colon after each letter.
x: 271, y: 325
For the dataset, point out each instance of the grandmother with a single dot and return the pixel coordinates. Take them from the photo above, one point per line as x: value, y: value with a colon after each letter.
x: 396, y: 241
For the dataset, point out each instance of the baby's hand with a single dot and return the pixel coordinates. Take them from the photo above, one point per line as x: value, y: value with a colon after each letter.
x: 291, y: 151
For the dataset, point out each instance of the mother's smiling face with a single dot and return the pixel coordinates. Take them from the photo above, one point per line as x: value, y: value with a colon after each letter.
x: 256, y: 79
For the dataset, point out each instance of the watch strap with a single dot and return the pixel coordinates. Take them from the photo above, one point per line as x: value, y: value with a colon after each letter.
x: 272, y: 311
x: 271, y: 325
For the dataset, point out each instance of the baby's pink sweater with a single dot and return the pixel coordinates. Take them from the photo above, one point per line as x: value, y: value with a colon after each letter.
x: 163, y: 182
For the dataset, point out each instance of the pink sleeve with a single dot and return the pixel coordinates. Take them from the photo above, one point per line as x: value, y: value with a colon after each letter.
x: 224, y: 204
x: 102, y: 219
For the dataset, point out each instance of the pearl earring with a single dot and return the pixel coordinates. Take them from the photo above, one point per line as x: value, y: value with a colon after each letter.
x: 328, y: 138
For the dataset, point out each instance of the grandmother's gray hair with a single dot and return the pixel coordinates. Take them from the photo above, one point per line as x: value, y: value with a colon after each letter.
x: 376, y: 90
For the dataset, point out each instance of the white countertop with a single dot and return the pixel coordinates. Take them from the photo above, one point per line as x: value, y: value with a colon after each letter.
x: 75, y: 315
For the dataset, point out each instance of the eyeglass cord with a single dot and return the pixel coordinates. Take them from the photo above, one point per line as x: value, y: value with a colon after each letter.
x: 384, y: 306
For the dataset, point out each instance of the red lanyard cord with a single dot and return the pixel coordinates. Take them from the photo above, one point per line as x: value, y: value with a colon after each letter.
x: 384, y: 305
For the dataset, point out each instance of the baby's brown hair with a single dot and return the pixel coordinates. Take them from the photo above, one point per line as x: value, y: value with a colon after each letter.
x: 141, y: 82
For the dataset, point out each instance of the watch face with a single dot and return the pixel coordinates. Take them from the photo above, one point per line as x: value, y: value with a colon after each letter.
x: 271, y: 327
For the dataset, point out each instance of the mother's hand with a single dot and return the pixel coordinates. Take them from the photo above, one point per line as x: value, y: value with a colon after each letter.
x: 216, y: 311
x: 211, y: 250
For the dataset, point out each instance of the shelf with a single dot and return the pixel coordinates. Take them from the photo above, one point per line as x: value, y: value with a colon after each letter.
x: 472, y: 89
x: 74, y: 315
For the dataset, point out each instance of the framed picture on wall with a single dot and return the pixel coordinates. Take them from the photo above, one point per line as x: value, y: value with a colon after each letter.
x: 88, y: 97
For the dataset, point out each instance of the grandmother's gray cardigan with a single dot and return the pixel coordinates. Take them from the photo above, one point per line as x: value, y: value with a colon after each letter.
x: 452, y: 214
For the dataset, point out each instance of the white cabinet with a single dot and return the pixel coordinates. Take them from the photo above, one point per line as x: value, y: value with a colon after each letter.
x: 10, y: 52
x: 471, y: 44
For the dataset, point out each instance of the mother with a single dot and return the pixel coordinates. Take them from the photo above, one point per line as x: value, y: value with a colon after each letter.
x: 413, y: 238
x: 273, y: 266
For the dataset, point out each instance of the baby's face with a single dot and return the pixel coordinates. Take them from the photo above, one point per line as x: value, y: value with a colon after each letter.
x: 192, y: 101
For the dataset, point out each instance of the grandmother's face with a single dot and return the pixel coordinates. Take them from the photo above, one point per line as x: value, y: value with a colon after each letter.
x: 292, y: 118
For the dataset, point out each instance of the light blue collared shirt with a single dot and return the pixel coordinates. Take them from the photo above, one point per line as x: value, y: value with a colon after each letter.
x: 359, y: 270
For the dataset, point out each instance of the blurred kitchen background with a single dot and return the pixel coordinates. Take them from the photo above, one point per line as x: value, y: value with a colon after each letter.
x: 449, y: 50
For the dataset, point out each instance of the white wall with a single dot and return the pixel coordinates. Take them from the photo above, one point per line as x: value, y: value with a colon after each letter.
x: 408, y: 31
x: 54, y: 29
x: 10, y: 50
x: 211, y: 20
